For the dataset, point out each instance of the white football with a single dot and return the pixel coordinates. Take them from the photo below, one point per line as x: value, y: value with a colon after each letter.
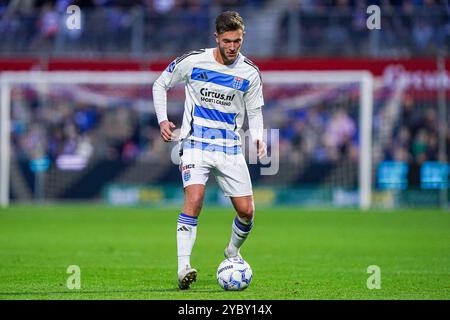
x: 234, y: 274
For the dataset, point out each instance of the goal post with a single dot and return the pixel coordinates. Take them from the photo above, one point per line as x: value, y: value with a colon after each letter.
x: 363, y: 79
x: 366, y: 87
x: 5, y: 129
x: 8, y: 79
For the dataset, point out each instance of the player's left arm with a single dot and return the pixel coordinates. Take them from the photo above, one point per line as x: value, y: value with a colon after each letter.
x: 254, y: 102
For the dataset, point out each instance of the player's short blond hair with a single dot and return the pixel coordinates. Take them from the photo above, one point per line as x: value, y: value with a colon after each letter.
x: 229, y: 21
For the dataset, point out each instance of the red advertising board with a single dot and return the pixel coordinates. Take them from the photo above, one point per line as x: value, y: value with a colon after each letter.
x: 418, y: 74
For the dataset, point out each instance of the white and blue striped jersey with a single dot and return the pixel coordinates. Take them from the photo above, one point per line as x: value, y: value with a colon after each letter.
x: 217, y: 97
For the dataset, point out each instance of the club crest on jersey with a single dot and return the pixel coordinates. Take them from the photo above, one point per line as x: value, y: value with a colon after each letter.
x: 187, y: 175
x: 237, y: 83
x: 171, y: 66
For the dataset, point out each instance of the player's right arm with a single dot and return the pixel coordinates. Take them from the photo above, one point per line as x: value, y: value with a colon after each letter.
x: 170, y: 77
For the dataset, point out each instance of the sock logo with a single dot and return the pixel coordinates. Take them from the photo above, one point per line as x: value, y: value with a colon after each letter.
x: 183, y: 228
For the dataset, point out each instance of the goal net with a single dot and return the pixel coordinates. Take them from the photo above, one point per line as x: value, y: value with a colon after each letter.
x: 94, y: 136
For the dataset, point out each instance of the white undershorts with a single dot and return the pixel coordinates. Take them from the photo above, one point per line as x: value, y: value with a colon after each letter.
x: 230, y: 170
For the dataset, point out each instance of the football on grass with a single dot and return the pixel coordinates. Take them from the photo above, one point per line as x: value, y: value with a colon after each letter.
x: 234, y: 274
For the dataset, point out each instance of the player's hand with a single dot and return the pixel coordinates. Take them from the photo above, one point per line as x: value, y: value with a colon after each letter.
x: 166, y: 128
x: 262, y: 149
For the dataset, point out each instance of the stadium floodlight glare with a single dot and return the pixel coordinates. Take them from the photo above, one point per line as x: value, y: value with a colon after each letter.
x: 45, y: 79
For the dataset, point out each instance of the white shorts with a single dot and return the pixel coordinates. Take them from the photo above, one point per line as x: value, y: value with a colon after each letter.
x: 230, y: 170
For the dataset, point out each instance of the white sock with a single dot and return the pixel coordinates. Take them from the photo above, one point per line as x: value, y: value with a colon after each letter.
x: 186, y: 235
x: 239, y: 232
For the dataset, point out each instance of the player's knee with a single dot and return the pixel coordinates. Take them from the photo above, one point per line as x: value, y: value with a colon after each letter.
x: 247, y: 212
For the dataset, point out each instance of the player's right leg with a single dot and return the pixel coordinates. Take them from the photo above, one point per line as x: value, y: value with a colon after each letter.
x: 187, y: 233
x: 194, y: 171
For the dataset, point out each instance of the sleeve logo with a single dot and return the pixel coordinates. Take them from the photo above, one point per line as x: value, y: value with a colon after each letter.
x: 171, y: 66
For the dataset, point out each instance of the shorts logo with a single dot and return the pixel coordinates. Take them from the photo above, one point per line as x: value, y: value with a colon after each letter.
x: 237, y: 83
x: 171, y: 66
x: 188, y: 166
x: 187, y: 175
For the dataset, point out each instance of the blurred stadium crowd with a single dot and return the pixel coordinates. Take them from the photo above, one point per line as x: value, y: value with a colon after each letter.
x: 415, y: 138
x: 51, y: 126
x: 285, y: 27
x: 326, y: 132
x: 113, y: 128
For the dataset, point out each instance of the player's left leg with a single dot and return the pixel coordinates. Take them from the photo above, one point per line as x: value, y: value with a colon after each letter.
x: 242, y: 224
x: 233, y: 177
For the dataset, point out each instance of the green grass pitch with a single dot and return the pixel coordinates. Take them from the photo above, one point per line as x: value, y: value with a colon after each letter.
x: 295, y: 253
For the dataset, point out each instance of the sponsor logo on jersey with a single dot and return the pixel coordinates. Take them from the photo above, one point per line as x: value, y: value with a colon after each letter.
x: 171, y: 66
x: 216, y: 97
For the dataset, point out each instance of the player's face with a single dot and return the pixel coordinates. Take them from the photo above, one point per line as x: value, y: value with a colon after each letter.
x: 229, y: 44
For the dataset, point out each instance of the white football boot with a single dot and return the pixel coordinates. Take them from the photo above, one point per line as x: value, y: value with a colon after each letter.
x: 185, y: 277
x: 229, y: 255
